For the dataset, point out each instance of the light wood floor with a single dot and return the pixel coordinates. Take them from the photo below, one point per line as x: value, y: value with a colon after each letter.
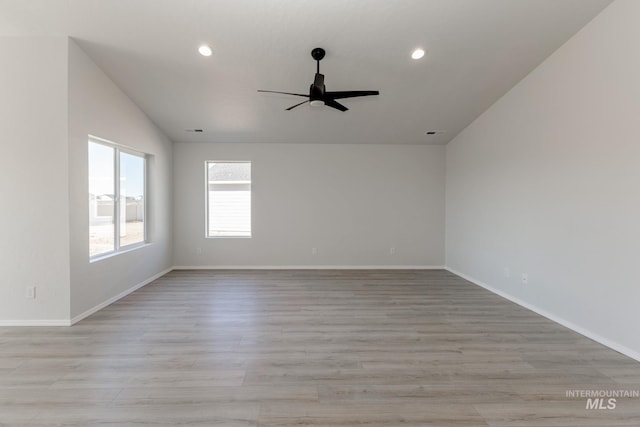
x: 310, y: 348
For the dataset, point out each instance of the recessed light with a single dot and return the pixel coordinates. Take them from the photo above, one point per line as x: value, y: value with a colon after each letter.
x: 417, y: 54
x: 205, y: 50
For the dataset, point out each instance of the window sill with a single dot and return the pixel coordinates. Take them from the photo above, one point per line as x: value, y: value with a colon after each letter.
x: 127, y: 249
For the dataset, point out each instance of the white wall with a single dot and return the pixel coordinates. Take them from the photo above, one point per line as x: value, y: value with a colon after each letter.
x: 98, y: 107
x: 547, y: 182
x: 351, y: 202
x: 34, y: 232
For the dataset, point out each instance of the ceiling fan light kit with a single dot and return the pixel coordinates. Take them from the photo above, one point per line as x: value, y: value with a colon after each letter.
x: 318, y: 95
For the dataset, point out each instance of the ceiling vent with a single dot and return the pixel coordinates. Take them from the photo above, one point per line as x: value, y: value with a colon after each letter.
x: 194, y: 130
x: 434, y: 132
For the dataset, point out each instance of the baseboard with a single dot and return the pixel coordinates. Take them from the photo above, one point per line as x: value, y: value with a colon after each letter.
x: 309, y: 267
x: 557, y: 319
x: 61, y: 322
x: 121, y: 295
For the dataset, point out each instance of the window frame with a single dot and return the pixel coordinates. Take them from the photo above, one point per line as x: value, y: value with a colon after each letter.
x: 117, y: 149
x: 207, y: 203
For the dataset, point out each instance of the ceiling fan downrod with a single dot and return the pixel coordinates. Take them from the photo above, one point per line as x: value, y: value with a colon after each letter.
x: 317, y: 54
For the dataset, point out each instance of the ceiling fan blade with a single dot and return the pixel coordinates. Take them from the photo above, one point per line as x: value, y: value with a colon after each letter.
x: 333, y: 104
x: 351, y: 93
x: 297, y: 105
x: 283, y: 93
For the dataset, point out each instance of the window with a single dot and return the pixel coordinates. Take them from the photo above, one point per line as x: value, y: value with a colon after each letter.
x: 228, y: 199
x: 116, y: 198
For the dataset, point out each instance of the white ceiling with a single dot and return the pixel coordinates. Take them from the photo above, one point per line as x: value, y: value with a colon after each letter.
x: 476, y: 51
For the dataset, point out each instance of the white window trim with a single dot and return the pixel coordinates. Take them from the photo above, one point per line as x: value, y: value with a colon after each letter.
x: 119, y: 148
x: 206, y: 198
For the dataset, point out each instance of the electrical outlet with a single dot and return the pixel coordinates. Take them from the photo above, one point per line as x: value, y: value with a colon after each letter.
x: 525, y: 278
x: 199, y: 251
x: 30, y: 292
x: 507, y: 272
x: 392, y: 251
x: 314, y: 251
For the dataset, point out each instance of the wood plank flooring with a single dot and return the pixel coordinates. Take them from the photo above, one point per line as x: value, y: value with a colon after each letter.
x: 310, y: 348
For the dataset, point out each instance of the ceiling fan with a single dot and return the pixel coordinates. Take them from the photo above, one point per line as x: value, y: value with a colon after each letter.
x: 317, y: 93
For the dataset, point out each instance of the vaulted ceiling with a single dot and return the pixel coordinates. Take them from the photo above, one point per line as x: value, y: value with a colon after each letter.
x: 476, y: 50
